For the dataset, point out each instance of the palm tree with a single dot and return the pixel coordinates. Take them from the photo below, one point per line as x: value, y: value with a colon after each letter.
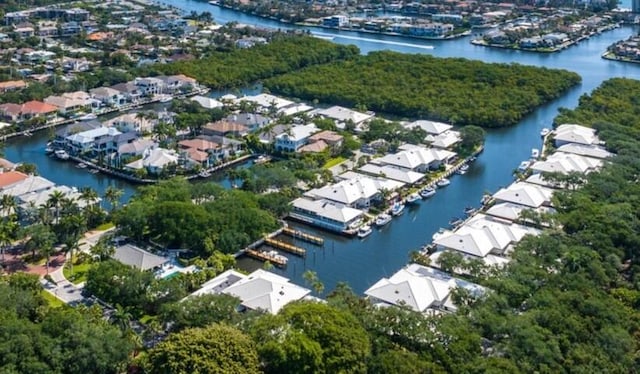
x: 88, y: 195
x: 7, y: 205
x: 311, y: 277
x: 41, y: 239
x: 8, y: 230
x: 54, y: 201
x: 121, y: 317
x: 112, y: 195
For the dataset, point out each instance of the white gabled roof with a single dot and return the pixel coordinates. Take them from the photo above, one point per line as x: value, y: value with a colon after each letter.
x: 431, y: 127
x: 207, y: 102
x: 297, y: 133
x: 91, y: 135
x: 572, y: 133
x: 327, y: 209
x: 262, y: 290
x: 392, y: 172
x: 405, y: 159
x: 267, y: 100
x: 585, y: 150
x: 445, y: 140
x: 220, y: 283
x: 33, y: 183
x: 348, y: 191
x: 525, y: 194
x: 342, y: 114
x: 381, y: 182
x: 566, y: 163
x: 488, y: 260
x: 511, y: 211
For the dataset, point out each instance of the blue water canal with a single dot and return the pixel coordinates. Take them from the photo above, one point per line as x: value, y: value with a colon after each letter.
x: 362, y: 262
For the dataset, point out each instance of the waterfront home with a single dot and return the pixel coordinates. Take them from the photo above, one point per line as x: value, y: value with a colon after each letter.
x: 522, y: 193
x: 224, y: 128
x: 585, y: 150
x: 343, y: 115
x: 37, y: 109
x: 133, y: 121
x: 24, y: 32
x: 326, y: 214
x: 28, y: 201
x: 12, y: 85
x: 336, y: 21
x: 490, y: 260
x: 566, y: 163
x: 359, y: 192
x: 294, y: 138
x: 252, y: 121
x: 431, y: 127
x: 571, y: 133
x: 266, y: 102
x: 250, y: 42
x: 107, y: 96
x: 513, y: 212
x: 420, y: 288
x: 482, y: 235
x: 72, y: 102
x: 135, y: 148
x: 381, y: 182
x: 392, y: 172
x: 200, y: 151
x: 175, y: 84
x: 74, y: 128
x: 33, y: 183
x: 8, y: 178
x: 444, y: 140
x: 323, y: 140
x: 260, y: 290
x: 154, y: 160
x: 138, y: 258
x: 129, y: 91
x: 10, y: 112
x: 106, y: 145
x: 83, y: 142
x: 417, y: 158
x: 150, y: 86
x: 207, y: 102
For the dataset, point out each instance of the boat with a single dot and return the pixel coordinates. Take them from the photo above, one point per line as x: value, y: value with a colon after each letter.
x: 81, y: 165
x: 262, y: 159
x: 438, y: 234
x: 524, y: 165
x: 463, y: 169
x: 455, y: 222
x: 94, y: 171
x: 364, y: 231
x: 61, y: 154
x: 204, y: 174
x: 486, y: 198
x: 544, y: 132
x: 398, y: 209
x: 413, y: 198
x: 27, y: 133
x: 427, y: 192
x: 472, y: 159
x: 277, y: 256
x: 48, y: 149
x: 165, y: 98
x: 383, y: 219
x: 444, y: 182
x: 88, y: 117
x: 469, y: 210
x: 535, y: 153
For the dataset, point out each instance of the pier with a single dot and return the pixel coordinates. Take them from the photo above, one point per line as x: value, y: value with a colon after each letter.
x: 303, y: 236
x: 278, y: 244
x: 265, y: 256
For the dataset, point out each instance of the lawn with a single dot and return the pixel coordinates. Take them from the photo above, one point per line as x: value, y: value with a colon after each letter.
x: 79, y: 272
x: 53, y: 301
x: 105, y: 226
x: 333, y: 162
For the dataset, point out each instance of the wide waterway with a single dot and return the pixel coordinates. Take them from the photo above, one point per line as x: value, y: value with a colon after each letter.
x: 360, y: 263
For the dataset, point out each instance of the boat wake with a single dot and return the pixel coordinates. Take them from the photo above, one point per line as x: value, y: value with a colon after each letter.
x: 373, y: 40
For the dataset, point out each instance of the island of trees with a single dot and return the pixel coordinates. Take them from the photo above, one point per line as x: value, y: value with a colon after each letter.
x: 454, y: 90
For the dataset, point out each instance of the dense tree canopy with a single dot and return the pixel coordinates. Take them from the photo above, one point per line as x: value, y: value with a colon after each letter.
x: 455, y: 90
x: 240, y: 67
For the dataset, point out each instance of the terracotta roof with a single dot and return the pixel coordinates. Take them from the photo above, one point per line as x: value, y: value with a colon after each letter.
x: 224, y: 127
x: 326, y: 135
x: 96, y: 36
x: 197, y: 155
x: 315, y: 147
x: 200, y: 144
x: 6, y: 164
x: 11, y: 177
x: 12, y: 85
x: 10, y: 109
x: 38, y: 107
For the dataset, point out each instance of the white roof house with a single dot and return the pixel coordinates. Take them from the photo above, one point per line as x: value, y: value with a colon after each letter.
x: 420, y: 288
x: 566, y: 163
x: 262, y: 290
x: 33, y: 183
x: 154, y: 159
x: 571, y: 133
x: 354, y: 192
x: 525, y: 194
x: 482, y: 235
x: 207, y: 102
x: 381, y: 182
x: 267, y: 101
x: 445, y: 140
x: 391, y: 172
x: 220, y: 283
x: 488, y: 260
x: 416, y: 158
x: 431, y: 127
x: 295, y: 109
x: 325, y: 213
x: 38, y: 198
x: 512, y: 212
x: 585, y: 150
x: 342, y: 114
x: 137, y: 257
x: 89, y: 136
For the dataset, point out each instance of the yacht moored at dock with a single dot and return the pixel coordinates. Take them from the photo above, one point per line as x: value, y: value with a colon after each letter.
x: 427, y: 192
x: 535, y: 153
x: 61, y: 154
x: 444, y: 182
x: 398, y: 209
x: 413, y: 198
x: 544, y: 132
x: 364, y: 231
x: 383, y: 219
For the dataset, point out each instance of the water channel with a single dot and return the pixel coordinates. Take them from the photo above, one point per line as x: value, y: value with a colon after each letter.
x: 360, y: 263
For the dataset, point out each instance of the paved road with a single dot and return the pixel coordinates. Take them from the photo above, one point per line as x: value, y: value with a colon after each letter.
x: 64, y: 290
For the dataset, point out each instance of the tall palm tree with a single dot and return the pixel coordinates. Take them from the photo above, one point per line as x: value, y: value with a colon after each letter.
x: 54, y: 201
x: 121, y: 317
x: 7, y: 205
x: 88, y: 195
x: 112, y: 195
x: 8, y: 229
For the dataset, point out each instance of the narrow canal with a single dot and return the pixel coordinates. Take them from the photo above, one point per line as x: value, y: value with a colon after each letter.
x: 362, y: 262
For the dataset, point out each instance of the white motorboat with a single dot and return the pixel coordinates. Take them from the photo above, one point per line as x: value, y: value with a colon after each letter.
x: 204, y: 174
x: 364, y: 231
x: 165, y: 98
x: 438, y: 234
x: 544, y: 132
x: 463, y: 169
x: 427, y: 192
x: 444, y: 182
x: 88, y: 117
x: 397, y: 209
x: 277, y: 256
x: 61, y: 154
x: 383, y: 219
x: 413, y: 198
x: 535, y: 153
x: 524, y: 165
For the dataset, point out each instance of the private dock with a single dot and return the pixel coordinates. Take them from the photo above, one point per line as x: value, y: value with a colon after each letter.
x: 278, y: 244
x: 303, y: 236
x: 265, y: 256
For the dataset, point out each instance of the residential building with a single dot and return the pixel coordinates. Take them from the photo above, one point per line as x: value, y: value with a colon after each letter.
x: 431, y: 127
x: 392, y: 172
x: 136, y: 121
x: 335, y: 21
x: 129, y: 91
x: 417, y: 158
x: 12, y: 85
x: 565, y: 163
x: 593, y: 151
x: 326, y: 214
x: 138, y: 258
x: 343, y: 115
x: 420, y: 288
x: 37, y: 109
x: 107, y: 96
x: 106, y: 145
x: 359, y: 192
x: 32, y: 183
x: 571, y: 133
x: 154, y: 160
x: 200, y: 151
x: 522, y: 193
x: 224, y: 128
x: 513, y: 212
x: 84, y: 142
x: 294, y: 138
x: 266, y: 102
x: 72, y: 102
x: 150, y: 86
x: 8, y: 178
x: 207, y: 102
x: 322, y: 140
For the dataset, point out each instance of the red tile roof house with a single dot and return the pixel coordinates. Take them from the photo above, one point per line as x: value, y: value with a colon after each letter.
x: 10, y: 112
x: 200, y: 151
x: 225, y: 128
x: 34, y: 109
x: 320, y: 141
x: 12, y: 85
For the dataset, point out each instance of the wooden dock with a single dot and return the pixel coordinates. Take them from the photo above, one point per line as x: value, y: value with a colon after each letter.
x: 264, y: 256
x: 278, y: 244
x: 303, y: 236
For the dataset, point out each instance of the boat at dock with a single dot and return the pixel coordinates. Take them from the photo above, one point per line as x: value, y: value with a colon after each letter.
x: 61, y: 154
x: 397, y: 209
x: 524, y: 165
x: 383, y: 219
x: 438, y: 234
x: 535, y: 153
x: 444, y: 182
x: 427, y: 192
x: 469, y: 210
x: 262, y: 159
x: 463, y: 169
x: 413, y: 198
x: 165, y: 98
x: 204, y: 174
x: 81, y: 165
x: 88, y: 117
x: 455, y: 222
x: 544, y: 132
x: 27, y: 133
x: 364, y: 231
x: 49, y: 149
